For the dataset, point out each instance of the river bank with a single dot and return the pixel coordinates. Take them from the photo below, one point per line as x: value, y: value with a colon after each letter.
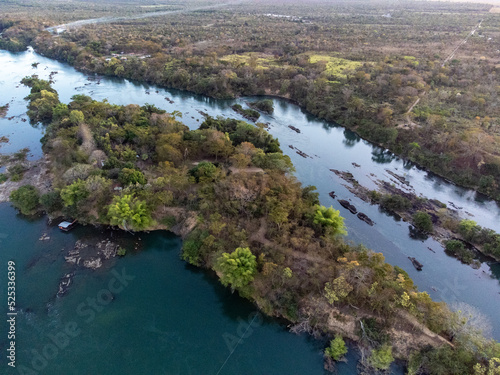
x: 442, y: 223
x: 284, y: 115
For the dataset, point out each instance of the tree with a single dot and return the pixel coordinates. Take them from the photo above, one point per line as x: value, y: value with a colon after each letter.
x: 204, y: 172
x: 238, y: 268
x: 422, y: 221
x: 129, y: 176
x: 129, y: 213
x: 76, y: 117
x: 330, y: 219
x: 337, y: 290
x: 51, y: 201
x: 25, y: 199
x: 74, y: 193
x: 381, y: 358
x: 337, y: 348
x: 492, y: 368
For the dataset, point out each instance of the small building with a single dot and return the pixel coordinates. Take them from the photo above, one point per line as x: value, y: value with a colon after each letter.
x: 66, y: 225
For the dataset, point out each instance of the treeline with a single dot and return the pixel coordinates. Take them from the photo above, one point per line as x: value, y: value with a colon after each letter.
x: 247, y: 218
x: 365, y: 78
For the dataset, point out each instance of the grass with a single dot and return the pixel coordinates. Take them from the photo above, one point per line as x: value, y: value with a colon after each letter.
x: 335, y: 66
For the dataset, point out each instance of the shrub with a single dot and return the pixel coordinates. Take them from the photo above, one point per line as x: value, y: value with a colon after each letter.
x: 237, y: 268
x: 422, y: 221
x: 25, y: 199
x: 381, y: 358
x: 129, y: 176
x: 337, y: 348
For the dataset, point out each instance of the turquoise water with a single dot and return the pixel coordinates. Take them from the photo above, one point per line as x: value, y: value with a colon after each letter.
x: 171, y: 316
x: 164, y: 317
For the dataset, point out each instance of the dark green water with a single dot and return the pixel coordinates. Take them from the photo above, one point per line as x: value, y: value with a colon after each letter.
x: 164, y: 317
x: 172, y: 319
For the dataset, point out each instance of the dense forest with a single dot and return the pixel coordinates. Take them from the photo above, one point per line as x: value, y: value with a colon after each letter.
x: 391, y: 71
x: 229, y: 190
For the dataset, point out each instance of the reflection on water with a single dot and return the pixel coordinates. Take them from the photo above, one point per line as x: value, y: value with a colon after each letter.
x: 330, y: 145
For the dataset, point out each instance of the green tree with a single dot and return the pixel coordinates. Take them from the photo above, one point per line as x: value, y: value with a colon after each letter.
x: 330, y: 219
x: 51, y: 201
x: 337, y: 348
x: 204, y: 172
x: 492, y: 368
x: 74, y: 193
x: 469, y: 229
x: 422, y: 221
x: 25, y: 199
x: 129, y: 176
x: 76, y: 117
x: 381, y: 358
x: 238, y: 268
x: 129, y: 213
x: 337, y: 290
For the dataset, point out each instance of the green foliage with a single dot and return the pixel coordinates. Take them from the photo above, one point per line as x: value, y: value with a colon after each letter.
x: 75, y: 117
x: 422, y: 221
x: 204, y: 172
x: 192, y: 247
x: 238, y: 268
x: 129, y: 176
x: 121, y: 251
x: 247, y: 113
x: 381, y: 358
x: 337, y: 290
x: 3, y: 178
x: 337, y: 348
x: 330, y: 219
x: 75, y: 193
x: 264, y: 105
x: 25, y: 199
x: 129, y: 213
x: 457, y: 248
x: 16, y: 172
x: 395, y: 202
x: 469, y: 229
x: 51, y: 201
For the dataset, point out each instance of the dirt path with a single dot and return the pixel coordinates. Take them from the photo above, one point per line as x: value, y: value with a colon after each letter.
x: 90, y: 21
x: 450, y: 56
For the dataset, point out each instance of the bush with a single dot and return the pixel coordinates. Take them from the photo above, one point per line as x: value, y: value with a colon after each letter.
x: 337, y: 348
x: 264, y: 105
x: 16, y: 172
x: 458, y: 250
x: 51, y: 201
x: 237, y: 268
x: 381, y: 358
x: 422, y: 221
x: 395, y: 202
x: 25, y: 199
x: 129, y: 176
x: 3, y: 178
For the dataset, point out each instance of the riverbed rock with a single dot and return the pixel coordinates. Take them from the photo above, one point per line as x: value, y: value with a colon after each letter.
x: 93, y: 263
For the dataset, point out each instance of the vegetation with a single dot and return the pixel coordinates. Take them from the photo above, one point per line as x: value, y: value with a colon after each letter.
x: 367, y: 77
x: 337, y: 348
x: 381, y: 358
x: 422, y: 221
x: 237, y: 268
x: 289, y: 258
x: 25, y: 199
x: 264, y: 105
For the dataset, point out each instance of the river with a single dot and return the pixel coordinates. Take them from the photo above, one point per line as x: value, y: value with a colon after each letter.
x: 191, y: 314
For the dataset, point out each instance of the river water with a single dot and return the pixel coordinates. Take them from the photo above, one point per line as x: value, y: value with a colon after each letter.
x: 175, y: 319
